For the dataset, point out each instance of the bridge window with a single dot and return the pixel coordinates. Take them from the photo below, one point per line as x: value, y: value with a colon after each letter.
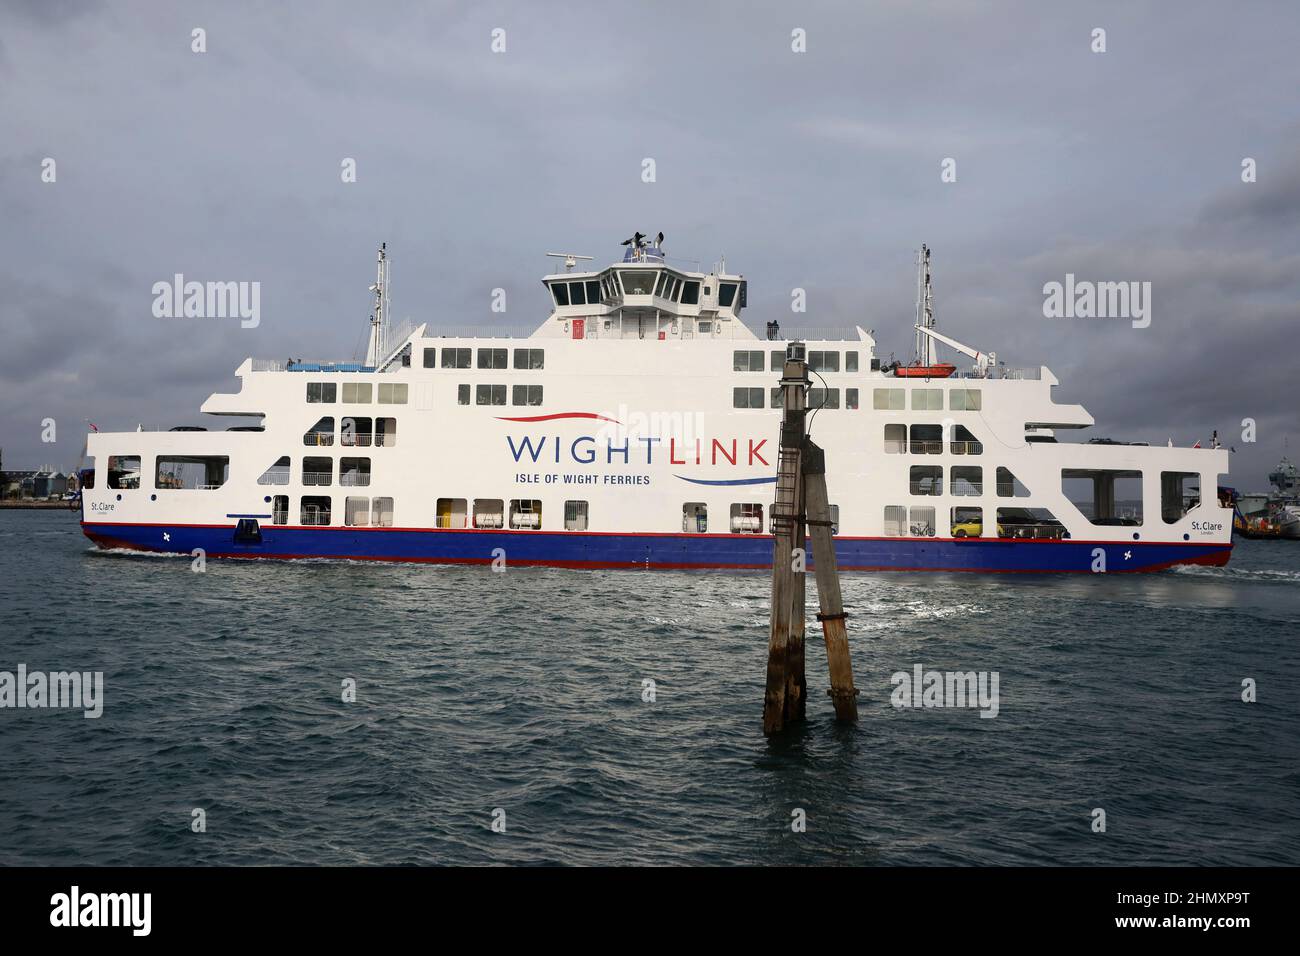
x: 638, y: 282
x: 577, y: 296
x: 1180, y: 492
x: 456, y: 358
x: 321, y: 434
x: 317, y: 471
x: 531, y: 359
x: 895, y: 439
x: 575, y: 516
x: 695, y: 517
x: 430, y: 358
x: 746, y: 361
x: 357, y: 393
x: 315, y: 510
x: 889, y: 399
x: 927, y: 440
x: 489, y: 513
x: 964, y: 442
x: 967, y: 522
x: 1105, y: 497
x: 490, y: 395
x: 690, y: 293
x: 526, y: 395
x: 747, y: 398
x: 280, y: 509
x: 895, y: 520
x: 385, y: 432
x: 381, y: 512
x: 593, y: 291
x: 1029, y: 523
x: 967, y: 481
x: 277, y: 474
x: 927, y: 399
x: 354, y: 472
x: 726, y: 294
x: 525, y: 514
x: 561, y: 292
x: 356, y: 432
x: 850, y: 361
x: 850, y: 398
x: 192, y: 472
x: 392, y: 393
x: 356, y: 512
x: 462, y: 394
x: 449, y: 513
x: 1009, y: 485
x: 321, y: 392
x: 747, y: 519
x: 925, y: 480
x: 124, y: 471
x: 824, y: 361
x: 492, y: 358
x: 964, y: 400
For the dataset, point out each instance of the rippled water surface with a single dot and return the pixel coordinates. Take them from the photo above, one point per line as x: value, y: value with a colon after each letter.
x: 523, y: 691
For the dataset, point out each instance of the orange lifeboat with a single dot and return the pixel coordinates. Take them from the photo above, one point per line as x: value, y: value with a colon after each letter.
x: 938, y: 370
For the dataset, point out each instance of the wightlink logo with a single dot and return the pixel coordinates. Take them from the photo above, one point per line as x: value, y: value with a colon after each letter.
x: 179, y: 299
x: 1073, y: 299
x: 37, y: 690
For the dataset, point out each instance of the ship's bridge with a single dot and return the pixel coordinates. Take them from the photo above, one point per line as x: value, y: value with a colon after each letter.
x: 645, y: 296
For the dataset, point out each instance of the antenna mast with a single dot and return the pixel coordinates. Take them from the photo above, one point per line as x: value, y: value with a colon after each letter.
x: 378, y: 347
x: 925, y: 353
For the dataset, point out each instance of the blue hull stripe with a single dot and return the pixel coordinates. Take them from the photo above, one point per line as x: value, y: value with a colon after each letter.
x: 612, y: 550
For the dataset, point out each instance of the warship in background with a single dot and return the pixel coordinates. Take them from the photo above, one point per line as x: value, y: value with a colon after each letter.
x: 1272, y: 514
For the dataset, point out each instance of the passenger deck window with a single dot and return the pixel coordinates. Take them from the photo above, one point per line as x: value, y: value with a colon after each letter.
x: 124, y: 471
x: 321, y: 392
x: 964, y: 400
x: 824, y: 361
x: 889, y: 399
x: 526, y: 395
x: 191, y: 472
x: 357, y: 393
x: 456, y: 358
x: 1180, y: 492
x: 927, y: 399
x: 494, y: 358
x: 925, y: 480
x: 747, y: 361
x: 430, y: 358
x: 747, y: 398
x: 317, y: 471
x: 392, y: 393
x: 490, y: 395
x: 531, y: 359
x: 354, y: 472
x: 321, y: 434
x: 967, y: 481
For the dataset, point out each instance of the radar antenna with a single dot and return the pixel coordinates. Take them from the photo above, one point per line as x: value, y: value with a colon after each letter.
x: 570, y: 259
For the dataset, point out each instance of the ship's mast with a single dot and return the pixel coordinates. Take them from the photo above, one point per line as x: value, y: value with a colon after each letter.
x: 925, y: 353
x: 378, y: 347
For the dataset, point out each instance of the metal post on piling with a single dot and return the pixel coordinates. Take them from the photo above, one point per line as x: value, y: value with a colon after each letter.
x: 801, y: 510
x: 783, y: 680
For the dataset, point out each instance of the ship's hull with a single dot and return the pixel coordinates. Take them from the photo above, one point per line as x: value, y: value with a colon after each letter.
x: 576, y: 549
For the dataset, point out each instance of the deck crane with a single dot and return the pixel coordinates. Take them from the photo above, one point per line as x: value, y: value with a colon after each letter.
x: 984, y: 361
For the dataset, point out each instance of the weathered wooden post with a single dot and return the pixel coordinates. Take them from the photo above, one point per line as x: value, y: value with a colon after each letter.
x: 843, y: 693
x: 787, y: 509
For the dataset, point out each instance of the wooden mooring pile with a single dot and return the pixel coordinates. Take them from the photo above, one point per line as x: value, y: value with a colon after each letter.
x: 802, y: 510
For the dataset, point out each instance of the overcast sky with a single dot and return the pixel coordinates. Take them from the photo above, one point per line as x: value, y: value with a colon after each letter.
x: 818, y: 170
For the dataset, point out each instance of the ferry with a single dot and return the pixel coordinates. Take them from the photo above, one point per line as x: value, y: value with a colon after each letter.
x: 637, y: 427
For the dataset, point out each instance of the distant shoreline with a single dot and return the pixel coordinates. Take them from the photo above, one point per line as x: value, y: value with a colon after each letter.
x: 23, y: 504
